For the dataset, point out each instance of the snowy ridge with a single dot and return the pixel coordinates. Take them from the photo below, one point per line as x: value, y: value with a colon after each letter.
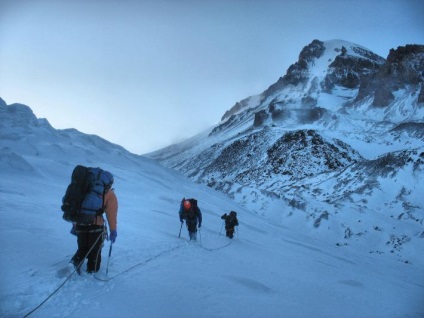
x: 268, y: 268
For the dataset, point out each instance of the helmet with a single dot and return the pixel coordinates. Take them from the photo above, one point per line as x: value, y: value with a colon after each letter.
x: 187, y: 204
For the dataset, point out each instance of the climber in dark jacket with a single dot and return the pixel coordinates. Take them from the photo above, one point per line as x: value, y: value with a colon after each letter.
x: 190, y: 212
x: 230, y: 222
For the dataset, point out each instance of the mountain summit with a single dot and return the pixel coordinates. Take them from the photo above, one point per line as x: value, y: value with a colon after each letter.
x: 336, y: 143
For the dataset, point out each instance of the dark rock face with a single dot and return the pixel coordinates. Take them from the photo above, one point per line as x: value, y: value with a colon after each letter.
x: 311, y: 52
x: 260, y: 117
x: 276, y: 109
x: 404, y: 66
x: 297, y: 154
x: 228, y: 123
x: 390, y: 163
x: 237, y: 107
x: 413, y: 129
x: 297, y: 72
x: 382, y: 97
x: 309, y: 147
x: 346, y: 71
x: 232, y: 121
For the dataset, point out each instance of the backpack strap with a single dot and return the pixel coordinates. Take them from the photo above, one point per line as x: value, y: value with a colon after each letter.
x: 102, y: 210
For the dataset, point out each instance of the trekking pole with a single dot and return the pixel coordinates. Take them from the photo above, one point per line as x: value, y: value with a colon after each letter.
x: 200, y: 234
x: 110, y: 253
x: 180, y: 229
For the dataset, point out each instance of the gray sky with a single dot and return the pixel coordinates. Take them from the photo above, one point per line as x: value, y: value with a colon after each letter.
x: 146, y: 74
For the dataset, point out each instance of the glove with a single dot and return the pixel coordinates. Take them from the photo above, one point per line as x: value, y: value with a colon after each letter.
x: 112, y: 236
x: 72, y: 231
x: 200, y: 225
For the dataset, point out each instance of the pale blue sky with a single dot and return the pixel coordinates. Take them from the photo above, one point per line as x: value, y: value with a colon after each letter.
x: 146, y: 74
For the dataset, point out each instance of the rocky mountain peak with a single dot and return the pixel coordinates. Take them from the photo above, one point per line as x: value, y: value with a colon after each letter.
x: 297, y: 71
x: 322, y: 66
x: 315, y: 144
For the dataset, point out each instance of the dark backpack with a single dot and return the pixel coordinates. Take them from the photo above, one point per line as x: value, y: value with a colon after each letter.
x: 232, y: 219
x: 83, y: 199
x: 192, y: 212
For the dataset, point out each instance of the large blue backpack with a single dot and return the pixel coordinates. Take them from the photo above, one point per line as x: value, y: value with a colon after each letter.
x: 83, y: 200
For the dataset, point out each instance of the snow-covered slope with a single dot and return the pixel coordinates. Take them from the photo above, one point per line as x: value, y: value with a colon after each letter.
x: 336, y: 144
x: 268, y: 270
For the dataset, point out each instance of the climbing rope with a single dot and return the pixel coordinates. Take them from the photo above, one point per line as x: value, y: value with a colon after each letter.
x: 61, y: 285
